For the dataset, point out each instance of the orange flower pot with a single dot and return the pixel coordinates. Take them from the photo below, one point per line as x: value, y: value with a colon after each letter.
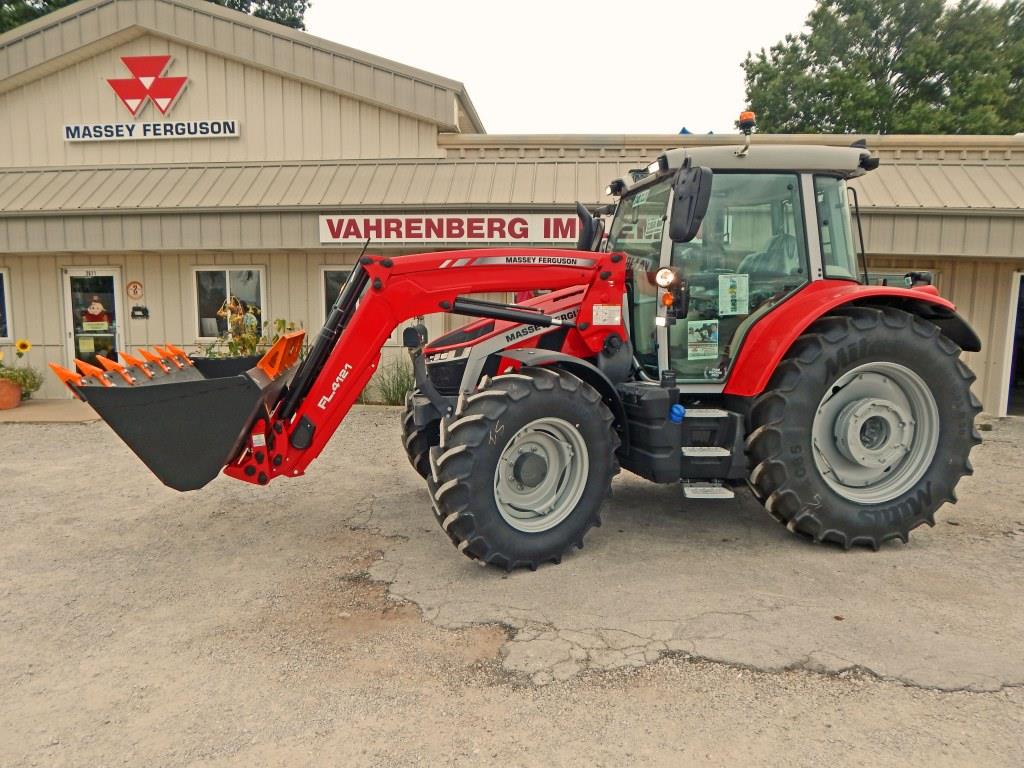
x: 10, y: 394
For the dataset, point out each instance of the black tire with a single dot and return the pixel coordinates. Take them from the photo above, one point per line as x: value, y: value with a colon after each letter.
x: 785, y: 474
x: 418, y: 441
x: 462, y: 484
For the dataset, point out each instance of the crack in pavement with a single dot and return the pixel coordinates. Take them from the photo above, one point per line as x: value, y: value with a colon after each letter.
x: 725, y: 584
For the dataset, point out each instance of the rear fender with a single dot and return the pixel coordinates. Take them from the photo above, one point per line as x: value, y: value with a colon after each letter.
x: 768, y: 341
x: 582, y: 370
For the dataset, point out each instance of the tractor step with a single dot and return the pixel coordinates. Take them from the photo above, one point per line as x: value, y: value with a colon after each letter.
x: 705, y: 451
x: 711, y: 445
x: 706, y: 413
x: 707, y: 491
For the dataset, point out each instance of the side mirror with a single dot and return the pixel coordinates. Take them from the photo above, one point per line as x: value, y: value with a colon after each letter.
x: 691, y: 193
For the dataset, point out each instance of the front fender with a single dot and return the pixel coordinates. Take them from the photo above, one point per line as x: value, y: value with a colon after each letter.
x: 771, y: 337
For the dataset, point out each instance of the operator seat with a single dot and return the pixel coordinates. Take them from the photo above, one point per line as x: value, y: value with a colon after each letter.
x: 779, y: 257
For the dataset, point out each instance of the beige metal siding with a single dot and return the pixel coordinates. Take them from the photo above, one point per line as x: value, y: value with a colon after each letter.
x: 981, y: 290
x: 74, y: 33
x: 280, y: 118
x: 293, y: 290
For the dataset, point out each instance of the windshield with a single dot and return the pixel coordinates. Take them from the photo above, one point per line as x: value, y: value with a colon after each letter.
x: 636, y: 231
x: 750, y: 253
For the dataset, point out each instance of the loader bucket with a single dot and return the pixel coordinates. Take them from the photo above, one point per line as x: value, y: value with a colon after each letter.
x: 184, y: 425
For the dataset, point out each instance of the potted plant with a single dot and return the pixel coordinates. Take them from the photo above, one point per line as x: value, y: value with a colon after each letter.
x: 241, y: 346
x: 17, y: 383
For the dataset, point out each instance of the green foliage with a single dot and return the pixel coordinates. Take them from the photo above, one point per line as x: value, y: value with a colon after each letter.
x: 14, y: 14
x: 394, y: 381
x: 28, y: 378
x: 894, y: 66
x: 242, y: 340
x: 290, y: 13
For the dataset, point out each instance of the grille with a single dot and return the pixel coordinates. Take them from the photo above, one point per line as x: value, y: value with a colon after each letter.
x: 446, y: 377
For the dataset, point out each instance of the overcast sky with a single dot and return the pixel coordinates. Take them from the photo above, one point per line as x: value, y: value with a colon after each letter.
x: 637, y: 66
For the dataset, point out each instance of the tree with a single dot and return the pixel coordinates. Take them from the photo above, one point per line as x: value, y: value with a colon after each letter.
x: 14, y: 14
x: 894, y: 66
x: 290, y: 13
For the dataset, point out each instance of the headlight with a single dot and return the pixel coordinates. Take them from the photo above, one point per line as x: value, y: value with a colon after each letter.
x: 665, y: 277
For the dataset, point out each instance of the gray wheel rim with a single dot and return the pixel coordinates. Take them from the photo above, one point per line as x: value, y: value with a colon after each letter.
x: 875, y: 432
x: 541, y: 475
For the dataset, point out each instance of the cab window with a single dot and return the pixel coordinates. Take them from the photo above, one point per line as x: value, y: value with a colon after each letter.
x: 838, y: 253
x: 750, y: 253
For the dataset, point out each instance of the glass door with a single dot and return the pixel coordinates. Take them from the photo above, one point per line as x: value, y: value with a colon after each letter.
x: 92, y: 313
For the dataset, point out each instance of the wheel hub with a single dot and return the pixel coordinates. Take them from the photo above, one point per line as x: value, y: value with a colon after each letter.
x: 541, y: 475
x: 529, y: 469
x: 873, y: 432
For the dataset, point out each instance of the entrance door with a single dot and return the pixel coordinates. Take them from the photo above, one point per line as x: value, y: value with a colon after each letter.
x: 92, y: 313
x: 1015, y: 397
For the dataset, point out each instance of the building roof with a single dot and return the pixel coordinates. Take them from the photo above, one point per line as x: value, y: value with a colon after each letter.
x: 82, y: 30
x: 426, y: 183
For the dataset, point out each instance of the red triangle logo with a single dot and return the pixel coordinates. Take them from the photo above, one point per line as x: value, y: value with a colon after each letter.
x: 147, y: 84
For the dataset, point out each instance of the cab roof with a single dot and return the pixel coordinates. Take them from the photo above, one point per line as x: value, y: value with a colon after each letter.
x: 847, y: 162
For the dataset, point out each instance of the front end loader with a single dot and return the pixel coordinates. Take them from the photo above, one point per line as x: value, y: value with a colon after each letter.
x: 723, y: 335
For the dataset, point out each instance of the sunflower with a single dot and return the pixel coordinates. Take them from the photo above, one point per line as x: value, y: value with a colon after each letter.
x: 22, y: 346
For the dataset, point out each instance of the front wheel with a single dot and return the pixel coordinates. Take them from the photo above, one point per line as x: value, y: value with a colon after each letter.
x: 416, y: 440
x: 523, y: 468
x: 865, y: 428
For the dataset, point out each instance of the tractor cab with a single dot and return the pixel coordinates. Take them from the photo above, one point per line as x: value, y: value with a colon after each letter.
x: 776, y: 219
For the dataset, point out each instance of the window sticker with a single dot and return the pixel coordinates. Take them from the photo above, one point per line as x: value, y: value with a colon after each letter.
x: 701, y: 339
x: 653, y: 226
x: 607, y: 314
x: 733, y: 295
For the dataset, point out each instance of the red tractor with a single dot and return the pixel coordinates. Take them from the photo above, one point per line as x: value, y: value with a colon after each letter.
x: 723, y: 333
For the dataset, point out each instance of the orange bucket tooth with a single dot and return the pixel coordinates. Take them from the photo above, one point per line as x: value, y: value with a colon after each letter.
x: 70, y: 379
x: 113, y: 367
x: 92, y: 370
x: 140, y: 366
x: 155, y: 360
x: 181, y: 354
x: 168, y: 357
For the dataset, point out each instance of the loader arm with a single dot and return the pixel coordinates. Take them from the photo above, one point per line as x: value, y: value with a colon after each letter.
x: 274, y: 419
x: 380, y: 295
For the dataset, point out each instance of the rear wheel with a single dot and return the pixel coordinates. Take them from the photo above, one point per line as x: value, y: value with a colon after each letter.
x: 523, y: 468
x: 418, y: 440
x: 865, y: 428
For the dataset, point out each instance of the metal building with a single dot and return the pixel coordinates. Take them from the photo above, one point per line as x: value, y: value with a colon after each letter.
x: 160, y: 156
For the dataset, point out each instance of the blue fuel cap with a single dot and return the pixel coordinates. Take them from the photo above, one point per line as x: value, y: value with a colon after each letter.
x: 676, y: 413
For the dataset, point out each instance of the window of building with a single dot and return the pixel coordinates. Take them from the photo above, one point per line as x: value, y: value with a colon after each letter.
x: 5, y: 305
x: 333, y: 278
x: 227, y: 296
x: 838, y: 253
